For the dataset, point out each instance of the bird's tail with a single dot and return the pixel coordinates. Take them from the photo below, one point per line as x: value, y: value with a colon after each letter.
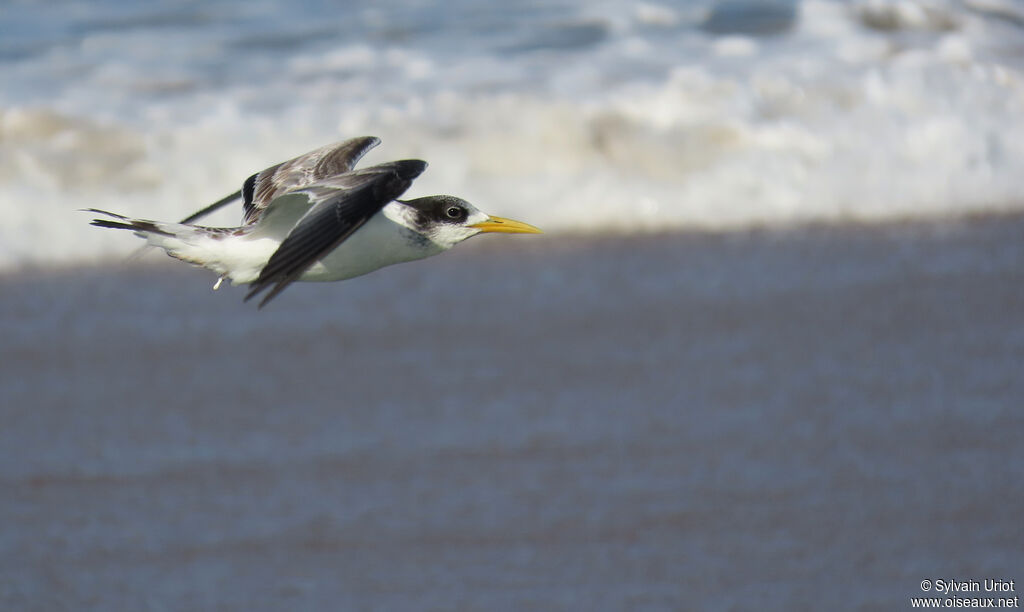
x: 142, y: 227
x: 192, y: 243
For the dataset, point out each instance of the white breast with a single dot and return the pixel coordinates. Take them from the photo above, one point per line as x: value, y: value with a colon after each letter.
x: 382, y: 241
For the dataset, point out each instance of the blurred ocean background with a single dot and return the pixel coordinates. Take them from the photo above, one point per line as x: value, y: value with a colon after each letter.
x: 768, y: 355
x: 582, y: 116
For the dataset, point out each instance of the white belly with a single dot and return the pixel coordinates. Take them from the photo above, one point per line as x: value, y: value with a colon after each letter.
x: 380, y: 242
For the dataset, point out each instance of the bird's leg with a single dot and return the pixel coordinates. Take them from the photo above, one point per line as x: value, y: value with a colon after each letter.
x: 220, y: 280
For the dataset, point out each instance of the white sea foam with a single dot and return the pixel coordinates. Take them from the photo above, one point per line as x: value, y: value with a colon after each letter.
x: 596, y: 117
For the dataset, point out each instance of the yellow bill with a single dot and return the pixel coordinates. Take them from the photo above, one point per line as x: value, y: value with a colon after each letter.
x: 501, y: 225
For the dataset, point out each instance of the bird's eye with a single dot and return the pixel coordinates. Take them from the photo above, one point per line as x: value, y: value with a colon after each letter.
x: 454, y: 212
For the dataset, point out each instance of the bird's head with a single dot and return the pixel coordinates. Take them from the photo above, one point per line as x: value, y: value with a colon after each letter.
x: 447, y: 220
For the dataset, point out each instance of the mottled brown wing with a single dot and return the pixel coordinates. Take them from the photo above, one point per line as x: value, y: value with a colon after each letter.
x: 260, y: 189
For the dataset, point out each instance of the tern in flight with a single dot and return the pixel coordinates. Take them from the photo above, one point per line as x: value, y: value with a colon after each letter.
x: 318, y: 218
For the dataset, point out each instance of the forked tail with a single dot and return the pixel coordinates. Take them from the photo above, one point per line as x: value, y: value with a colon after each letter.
x: 203, y: 246
x: 139, y: 225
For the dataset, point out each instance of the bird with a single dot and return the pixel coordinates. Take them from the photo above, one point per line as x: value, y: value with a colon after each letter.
x: 318, y: 218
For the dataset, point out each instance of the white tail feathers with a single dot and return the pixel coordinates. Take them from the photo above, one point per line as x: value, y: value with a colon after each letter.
x: 209, y: 247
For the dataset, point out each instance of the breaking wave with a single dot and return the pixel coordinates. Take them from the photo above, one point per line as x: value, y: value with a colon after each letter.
x: 582, y: 118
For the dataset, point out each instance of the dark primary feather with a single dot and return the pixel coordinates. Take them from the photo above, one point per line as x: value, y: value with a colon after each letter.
x: 212, y: 208
x: 341, y: 205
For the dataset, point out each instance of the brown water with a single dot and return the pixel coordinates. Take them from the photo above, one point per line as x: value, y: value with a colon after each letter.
x: 815, y: 419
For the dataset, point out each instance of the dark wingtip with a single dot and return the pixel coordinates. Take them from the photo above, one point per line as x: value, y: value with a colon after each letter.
x: 258, y: 288
x: 253, y: 292
x: 409, y: 169
x: 212, y: 207
x: 102, y: 212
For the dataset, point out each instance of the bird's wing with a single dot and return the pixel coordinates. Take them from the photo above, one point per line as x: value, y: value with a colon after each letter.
x: 260, y: 189
x: 212, y: 208
x: 340, y: 205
